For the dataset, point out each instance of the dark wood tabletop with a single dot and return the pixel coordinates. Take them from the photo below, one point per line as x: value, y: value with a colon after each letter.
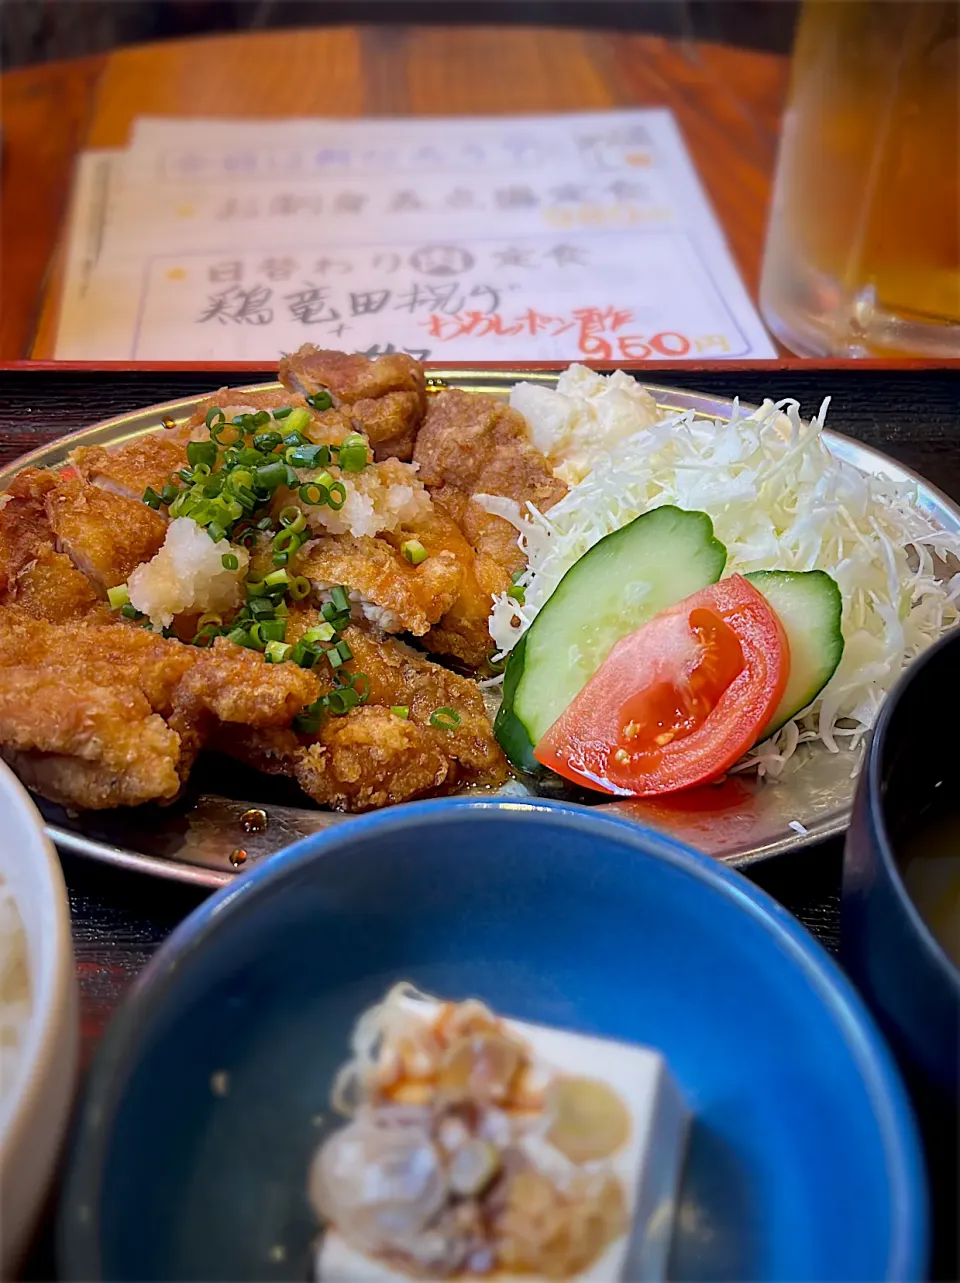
x: 121, y: 918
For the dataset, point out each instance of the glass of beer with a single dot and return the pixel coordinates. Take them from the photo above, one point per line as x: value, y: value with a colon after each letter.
x: 863, y: 244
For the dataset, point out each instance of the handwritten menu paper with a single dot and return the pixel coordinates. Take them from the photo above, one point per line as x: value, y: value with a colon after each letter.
x: 500, y: 239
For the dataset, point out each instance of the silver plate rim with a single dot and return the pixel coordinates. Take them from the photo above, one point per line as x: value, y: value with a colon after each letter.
x: 135, y: 423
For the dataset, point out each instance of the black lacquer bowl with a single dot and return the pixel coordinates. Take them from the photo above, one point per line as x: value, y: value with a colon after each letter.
x: 912, y: 769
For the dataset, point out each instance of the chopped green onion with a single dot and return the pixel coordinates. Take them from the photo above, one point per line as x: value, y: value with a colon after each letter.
x: 308, y: 456
x: 226, y: 434
x: 400, y: 710
x: 241, y: 637
x: 313, y: 494
x: 287, y: 540
x: 281, y: 610
x: 257, y: 640
x: 261, y: 418
x: 202, y: 452
x: 277, y: 652
x: 364, y: 693
x: 413, y: 551
x: 322, y: 633
x: 338, y: 596
x: 343, y: 650
x: 169, y: 493
x: 325, y: 480
x: 321, y: 400
x: 307, y: 722
x: 271, y: 475
x: 303, y: 655
x: 341, y: 700
x: 204, y: 637
x: 246, y: 538
x: 281, y: 558
x: 353, y: 453
x: 334, y: 656
x: 267, y: 442
x: 292, y: 517
x: 339, y: 491
x: 130, y: 612
x: 118, y: 597
x: 299, y: 587
x: 273, y: 629
x: 256, y: 588
x: 214, y: 415
x: 216, y: 532
x: 230, y: 561
x: 209, y: 618
x: 517, y: 594
x: 260, y: 608
x: 517, y: 576
x: 297, y: 420
x: 448, y: 719
x: 338, y: 619
x: 282, y: 411
x: 151, y: 498
x: 248, y: 457
x: 277, y: 577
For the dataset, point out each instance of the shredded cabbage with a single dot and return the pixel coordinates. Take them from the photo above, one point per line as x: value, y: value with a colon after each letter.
x: 779, y: 500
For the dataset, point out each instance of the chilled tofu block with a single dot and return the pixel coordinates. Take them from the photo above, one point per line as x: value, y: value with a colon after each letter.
x: 647, y: 1163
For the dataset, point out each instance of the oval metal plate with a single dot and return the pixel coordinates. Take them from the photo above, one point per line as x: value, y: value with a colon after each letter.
x: 740, y: 821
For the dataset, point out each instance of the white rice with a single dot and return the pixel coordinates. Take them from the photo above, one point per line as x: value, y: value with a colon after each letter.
x: 15, y: 1002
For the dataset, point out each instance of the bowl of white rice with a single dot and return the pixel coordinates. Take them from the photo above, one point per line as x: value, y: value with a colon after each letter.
x: 38, y: 1016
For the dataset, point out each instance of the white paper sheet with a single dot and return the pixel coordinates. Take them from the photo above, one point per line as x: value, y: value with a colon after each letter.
x: 502, y: 239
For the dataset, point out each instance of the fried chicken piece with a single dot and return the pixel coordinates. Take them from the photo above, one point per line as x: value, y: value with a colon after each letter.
x: 24, y: 529
x: 390, y: 591
x: 472, y: 444
x: 112, y: 679
x: 83, y: 744
x: 105, y: 535
x: 462, y: 630
x: 239, y: 687
x: 326, y: 427
x: 129, y: 469
x: 372, y: 757
x: 387, y: 396
x: 232, y: 401
x: 51, y: 588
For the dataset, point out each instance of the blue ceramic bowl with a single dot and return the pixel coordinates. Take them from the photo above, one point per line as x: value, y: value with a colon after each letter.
x: 803, y: 1162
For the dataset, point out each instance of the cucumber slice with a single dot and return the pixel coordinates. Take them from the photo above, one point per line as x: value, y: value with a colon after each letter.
x: 810, y: 607
x: 628, y: 577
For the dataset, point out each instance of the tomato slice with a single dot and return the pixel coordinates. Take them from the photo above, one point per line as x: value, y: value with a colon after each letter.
x: 677, y: 702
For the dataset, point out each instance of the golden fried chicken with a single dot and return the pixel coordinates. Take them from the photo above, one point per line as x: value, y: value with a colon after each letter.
x: 389, y: 591
x: 84, y: 744
x: 105, y: 535
x: 129, y: 469
x: 90, y: 692
x: 50, y: 587
x: 473, y: 445
x: 24, y: 529
x: 232, y: 401
x: 371, y: 756
x: 387, y: 396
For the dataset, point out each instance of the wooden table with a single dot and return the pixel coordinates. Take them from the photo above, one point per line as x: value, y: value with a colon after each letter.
x: 728, y: 103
